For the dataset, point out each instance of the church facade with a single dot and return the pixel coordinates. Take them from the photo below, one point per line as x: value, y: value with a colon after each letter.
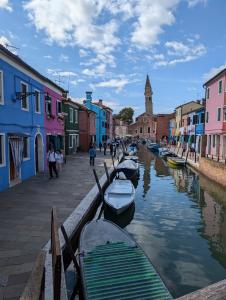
x: 145, y: 124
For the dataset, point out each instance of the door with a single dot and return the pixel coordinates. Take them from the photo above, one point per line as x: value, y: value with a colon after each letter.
x: 36, y: 155
x: 12, y: 166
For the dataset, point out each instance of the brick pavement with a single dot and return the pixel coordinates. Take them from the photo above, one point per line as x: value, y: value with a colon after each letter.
x: 25, y: 217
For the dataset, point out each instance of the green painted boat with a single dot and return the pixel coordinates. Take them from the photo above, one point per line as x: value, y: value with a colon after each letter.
x: 114, y: 267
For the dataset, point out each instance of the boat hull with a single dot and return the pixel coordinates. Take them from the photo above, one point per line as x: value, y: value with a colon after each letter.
x: 176, y: 162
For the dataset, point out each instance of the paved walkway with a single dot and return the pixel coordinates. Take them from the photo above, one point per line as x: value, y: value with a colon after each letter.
x: 25, y: 217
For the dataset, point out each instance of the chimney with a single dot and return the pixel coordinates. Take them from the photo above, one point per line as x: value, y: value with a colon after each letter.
x: 101, y: 102
x: 88, y: 96
x: 198, y: 101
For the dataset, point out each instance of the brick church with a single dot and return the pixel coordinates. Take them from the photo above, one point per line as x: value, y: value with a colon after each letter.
x: 145, y: 124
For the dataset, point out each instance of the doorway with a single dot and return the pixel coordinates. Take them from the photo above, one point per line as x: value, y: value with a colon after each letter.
x: 15, y: 160
x: 38, y: 153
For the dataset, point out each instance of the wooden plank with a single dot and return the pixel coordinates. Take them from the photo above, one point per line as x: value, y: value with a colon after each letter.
x: 56, y: 255
x: 34, y: 288
x: 216, y: 291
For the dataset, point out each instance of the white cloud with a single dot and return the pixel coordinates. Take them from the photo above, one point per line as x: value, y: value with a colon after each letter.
x: 64, y: 58
x: 99, y: 70
x: 83, y: 53
x: 178, y: 52
x: 48, y: 56
x: 192, y: 3
x: 152, y: 15
x: 58, y: 72
x: 214, y: 71
x: 4, y: 41
x: 4, y: 4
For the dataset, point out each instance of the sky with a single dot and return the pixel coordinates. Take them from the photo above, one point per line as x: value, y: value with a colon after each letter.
x: 109, y: 46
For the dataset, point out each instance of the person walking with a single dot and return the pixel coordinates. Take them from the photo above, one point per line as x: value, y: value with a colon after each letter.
x: 52, y: 163
x: 111, y: 149
x: 92, y: 155
x: 100, y: 146
x: 59, y: 160
x: 105, y: 148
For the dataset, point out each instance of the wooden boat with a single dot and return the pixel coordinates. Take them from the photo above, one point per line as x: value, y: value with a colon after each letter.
x: 153, y: 147
x: 132, y: 157
x: 121, y: 220
x: 128, y: 167
x: 119, y: 195
x: 113, y: 266
x: 176, y: 161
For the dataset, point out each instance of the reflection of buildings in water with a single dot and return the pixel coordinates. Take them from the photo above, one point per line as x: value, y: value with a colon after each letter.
x: 145, y: 156
x: 179, y: 179
x: 160, y: 167
x: 213, y: 210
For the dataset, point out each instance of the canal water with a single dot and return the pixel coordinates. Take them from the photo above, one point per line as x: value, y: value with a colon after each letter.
x: 179, y: 219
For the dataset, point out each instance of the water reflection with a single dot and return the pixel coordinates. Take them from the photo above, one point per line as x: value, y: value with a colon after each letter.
x: 181, y: 224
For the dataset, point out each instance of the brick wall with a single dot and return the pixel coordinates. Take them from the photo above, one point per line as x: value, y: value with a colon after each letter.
x: 163, y: 125
x: 214, y: 170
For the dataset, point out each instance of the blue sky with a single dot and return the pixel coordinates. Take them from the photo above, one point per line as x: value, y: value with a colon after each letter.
x: 108, y: 46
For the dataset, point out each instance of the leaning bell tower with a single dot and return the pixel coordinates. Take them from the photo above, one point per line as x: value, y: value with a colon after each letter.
x: 148, y: 97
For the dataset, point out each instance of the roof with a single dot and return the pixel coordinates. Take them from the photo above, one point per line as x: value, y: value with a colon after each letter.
x: 83, y: 107
x: 221, y: 72
x: 18, y: 60
x: 69, y: 101
x: 186, y: 104
x: 194, y: 110
x: 102, y: 105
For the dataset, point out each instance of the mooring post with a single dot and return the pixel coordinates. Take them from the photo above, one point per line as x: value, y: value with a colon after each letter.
x: 113, y: 161
x: 106, y: 170
x: 186, y: 157
x: 98, y: 184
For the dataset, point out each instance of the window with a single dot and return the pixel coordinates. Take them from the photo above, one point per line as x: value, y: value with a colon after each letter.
x: 207, y: 93
x: 140, y: 129
x: 207, y: 117
x: 71, y: 115
x: 219, y: 86
x: 76, y: 116
x: 218, y: 114
x: 37, y: 102
x: 214, y: 140
x: 149, y: 130
x: 188, y: 120
x: 103, y: 124
x: 26, y: 154
x: 195, y: 119
x: 73, y: 140
x: 48, y: 101
x: 1, y: 88
x: 202, y: 118
x: 2, y: 150
x: 59, y: 107
x: 24, y: 101
x: 224, y: 113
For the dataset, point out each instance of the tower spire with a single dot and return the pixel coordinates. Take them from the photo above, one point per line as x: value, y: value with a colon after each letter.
x: 148, y: 96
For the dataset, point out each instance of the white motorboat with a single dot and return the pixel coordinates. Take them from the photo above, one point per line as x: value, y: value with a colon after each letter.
x: 119, y: 195
x: 131, y: 157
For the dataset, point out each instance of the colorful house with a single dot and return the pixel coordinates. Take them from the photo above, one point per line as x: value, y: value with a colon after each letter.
x: 54, y: 117
x: 71, y: 118
x: 87, y: 127
x: 101, y: 123
x: 172, y: 129
x: 215, y: 126
x: 22, y: 134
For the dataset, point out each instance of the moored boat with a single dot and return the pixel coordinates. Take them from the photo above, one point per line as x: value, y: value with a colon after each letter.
x: 128, y: 167
x: 131, y: 157
x: 119, y: 195
x: 176, y: 161
x: 113, y: 265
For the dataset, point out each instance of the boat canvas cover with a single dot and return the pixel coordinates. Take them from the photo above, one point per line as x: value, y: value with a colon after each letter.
x: 128, y: 164
x: 114, y: 267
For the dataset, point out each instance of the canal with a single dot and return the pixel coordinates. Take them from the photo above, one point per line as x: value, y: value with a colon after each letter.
x: 179, y: 219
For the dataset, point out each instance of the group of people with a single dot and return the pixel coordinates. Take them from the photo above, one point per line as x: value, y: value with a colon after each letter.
x: 55, y: 160
x: 92, y: 150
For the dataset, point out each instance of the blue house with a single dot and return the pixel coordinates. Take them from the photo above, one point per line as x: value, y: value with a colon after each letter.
x: 22, y: 137
x: 101, y: 118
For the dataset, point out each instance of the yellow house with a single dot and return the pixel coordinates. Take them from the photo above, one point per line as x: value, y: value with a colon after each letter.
x: 183, y: 110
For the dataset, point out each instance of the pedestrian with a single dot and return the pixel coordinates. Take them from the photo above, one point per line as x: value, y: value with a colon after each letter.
x: 92, y: 155
x: 105, y: 148
x: 111, y: 149
x: 59, y: 160
x: 100, y: 146
x: 114, y: 150
x: 52, y: 163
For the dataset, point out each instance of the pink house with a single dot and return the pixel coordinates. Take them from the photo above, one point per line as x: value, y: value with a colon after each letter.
x: 215, y: 126
x: 54, y: 118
